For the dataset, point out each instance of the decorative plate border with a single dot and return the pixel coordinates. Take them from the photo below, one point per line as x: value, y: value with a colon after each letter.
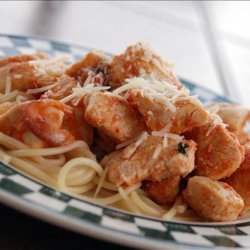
x: 41, y: 201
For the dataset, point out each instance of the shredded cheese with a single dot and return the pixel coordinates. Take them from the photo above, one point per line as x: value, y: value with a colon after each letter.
x: 136, y: 142
x: 165, y: 141
x: 142, y: 138
x: 157, y: 151
x: 217, y: 121
x: 42, y: 89
x: 80, y: 92
x: 8, y: 85
x: 161, y: 90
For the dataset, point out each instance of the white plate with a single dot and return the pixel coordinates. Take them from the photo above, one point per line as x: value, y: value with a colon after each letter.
x: 36, y: 199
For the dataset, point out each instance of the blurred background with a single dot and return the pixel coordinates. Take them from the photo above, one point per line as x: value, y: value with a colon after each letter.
x: 208, y: 41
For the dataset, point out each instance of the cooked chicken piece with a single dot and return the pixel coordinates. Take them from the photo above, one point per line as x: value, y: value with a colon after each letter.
x: 30, y: 75
x: 213, y: 200
x: 66, y: 84
x: 22, y: 58
x: 139, y: 60
x: 12, y: 123
x: 240, y: 179
x: 93, y: 65
x: 56, y: 123
x: 157, y: 115
x: 219, y: 153
x: 151, y: 161
x: 113, y: 116
x: 235, y: 116
x: 44, y: 123
x: 163, y: 192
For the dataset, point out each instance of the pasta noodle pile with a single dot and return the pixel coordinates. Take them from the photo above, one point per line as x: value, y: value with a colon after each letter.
x: 124, y: 132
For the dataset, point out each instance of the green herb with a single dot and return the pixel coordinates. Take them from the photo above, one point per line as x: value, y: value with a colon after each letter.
x: 182, y: 147
x: 100, y: 70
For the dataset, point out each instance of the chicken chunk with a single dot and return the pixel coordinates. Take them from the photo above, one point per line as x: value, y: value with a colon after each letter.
x: 93, y: 66
x: 235, y: 116
x: 22, y: 58
x: 12, y: 124
x: 240, y: 179
x: 113, y: 116
x: 213, y: 200
x: 139, y: 60
x: 66, y: 84
x: 30, y: 75
x: 157, y: 115
x: 151, y: 161
x: 219, y: 153
x: 163, y: 192
x: 44, y: 123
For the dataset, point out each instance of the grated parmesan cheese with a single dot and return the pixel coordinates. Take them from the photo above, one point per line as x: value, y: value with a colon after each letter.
x: 8, y: 85
x: 80, y: 92
x: 142, y: 138
x: 165, y: 141
x: 42, y: 89
x: 137, y: 142
x: 166, y: 136
x: 157, y: 151
x: 161, y: 90
x: 217, y: 121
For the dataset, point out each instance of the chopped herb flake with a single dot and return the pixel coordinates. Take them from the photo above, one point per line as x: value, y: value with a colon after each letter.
x: 182, y: 148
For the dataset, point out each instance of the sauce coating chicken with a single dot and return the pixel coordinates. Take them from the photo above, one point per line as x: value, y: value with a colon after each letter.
x: 150, y: 161
x: 152, y: 106
x: 219, y: 153
x: 43, y: 123
x: 113, y: 116
x: 240, y: 179
x: 163, y: 192
x: 30, y: 75
x: 93, y: 66
x: 139, y: 60
x: 213, y: 200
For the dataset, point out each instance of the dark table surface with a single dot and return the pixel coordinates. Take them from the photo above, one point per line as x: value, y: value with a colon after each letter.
x: 22, y: 232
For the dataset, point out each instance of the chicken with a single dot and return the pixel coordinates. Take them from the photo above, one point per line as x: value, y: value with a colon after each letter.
x: 219, y: 153
x: 163, y: 192
x: 150, y: 161
x: 22, y: 58
x: 213, y: 200
x: 44, y: 123
x: 93, y: 66
x: 235, y: 116
x: 66, y: 84
x: 30, y: 75
x: 12, y: 124
x: 154, y: 108
x: 139, y: 60
x: 113, y: 116
x: 240, y: 179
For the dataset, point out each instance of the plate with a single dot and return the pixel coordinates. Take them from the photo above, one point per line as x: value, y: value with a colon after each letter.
x: 43, y: 202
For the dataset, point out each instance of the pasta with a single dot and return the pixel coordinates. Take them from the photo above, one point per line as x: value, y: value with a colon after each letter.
x: 123, y: 132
